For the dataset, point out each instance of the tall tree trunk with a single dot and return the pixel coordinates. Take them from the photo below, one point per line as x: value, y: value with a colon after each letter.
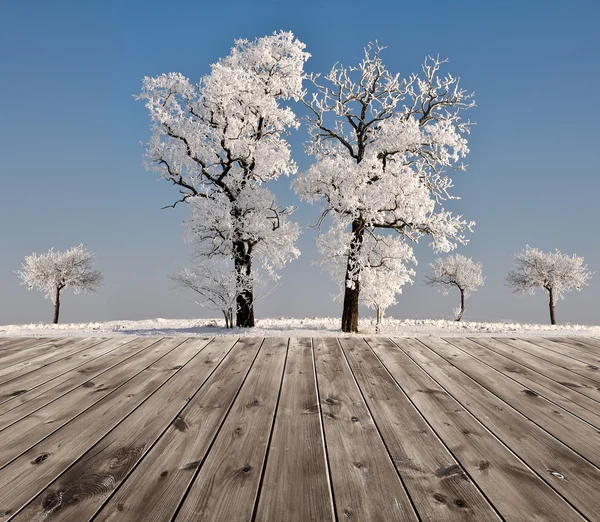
x: 462, y: 304
x: 551, y: 303
x: 56, y: 305
x: 245, y: 299
x: 351, y: 295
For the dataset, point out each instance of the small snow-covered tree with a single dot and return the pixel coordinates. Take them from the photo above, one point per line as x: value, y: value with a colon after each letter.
x: 556, y: 272
x: 53, y: 271
x: 456, y: 271
x: 219, y: 140
x: 380, y: 144
x: 215, y: 283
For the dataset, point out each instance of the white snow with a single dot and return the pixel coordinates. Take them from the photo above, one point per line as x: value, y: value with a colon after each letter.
x: 287, y: 327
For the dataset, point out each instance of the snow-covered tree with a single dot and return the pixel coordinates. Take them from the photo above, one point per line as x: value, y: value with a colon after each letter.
x: 556, y: 272
x: 456, y: 271
x: 383, y: 259
x: 381, y: 143
x: 219, y: 140
x: 214, y: 280
x: 53, y: 271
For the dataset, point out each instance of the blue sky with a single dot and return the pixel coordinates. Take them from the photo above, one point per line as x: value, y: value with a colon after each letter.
x: 71, y: 164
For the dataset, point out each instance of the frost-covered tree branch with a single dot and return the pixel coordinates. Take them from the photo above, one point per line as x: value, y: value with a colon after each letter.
x: 219, y: 140
x: 555, y: 272
x: 456, y: 271
x: 52, y: 271
x: 381, y: 144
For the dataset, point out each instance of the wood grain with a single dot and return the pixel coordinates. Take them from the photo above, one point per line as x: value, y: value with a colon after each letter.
x: 296, y: 467
x: 429, y: 474
x: 80, y: 491
x: 567, y: 472
x: 31, y: 380
x: 155, y: 489
x: 365, y: 483
x: 30, y: 401
x: 580, y: 405
x: 30, y: 430
x: 512, y: 349
x: 226, y: 486
x: 31, y: 472
x: 22, y: 362
x: 507, y: 482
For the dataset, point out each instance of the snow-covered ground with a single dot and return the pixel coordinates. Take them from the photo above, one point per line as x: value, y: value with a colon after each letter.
x: 309, y: 327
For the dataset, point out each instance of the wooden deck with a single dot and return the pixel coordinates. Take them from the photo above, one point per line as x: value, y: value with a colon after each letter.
x: 270, y: 430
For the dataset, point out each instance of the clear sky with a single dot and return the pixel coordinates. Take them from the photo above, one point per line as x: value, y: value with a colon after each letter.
x: 71, y: 160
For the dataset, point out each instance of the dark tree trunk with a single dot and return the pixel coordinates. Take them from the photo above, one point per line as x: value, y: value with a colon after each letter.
x: 462, y: 304
x: 551, y: 303
x: 351, y: 295
x: 56, y: 305
x: 245, y: 299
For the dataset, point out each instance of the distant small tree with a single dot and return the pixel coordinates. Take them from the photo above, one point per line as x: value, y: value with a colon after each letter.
x: 53, y: 271
x: 556, y: 272
x: 456, y: 271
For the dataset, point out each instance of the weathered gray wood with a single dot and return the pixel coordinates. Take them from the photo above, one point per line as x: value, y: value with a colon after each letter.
x: 21, y: 344
x: 365, y: 483
x: 31, y: 380
x: 82, y: 489
x: 589, y: 345
x: 296, y: 485
x: 30, y: 401
x: 26, y: 476
x: 30, y: 359
x: 567, y: 472
x: 538, y: 347
x: 226, y: 486
x: 580, y: 405
x: 512, y: 349
x: 576, y: 348
x: 427, y: 468
x: 155, y: 489
x: 572, y: 431
x: 514, y: 490
x: 23, y: 434
x: 57, y: 351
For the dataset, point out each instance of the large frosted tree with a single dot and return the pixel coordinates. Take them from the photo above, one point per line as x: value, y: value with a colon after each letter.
x: 220, y: 140
x: 52, y: 272
x: 381, y: 143
x: 555, y: 272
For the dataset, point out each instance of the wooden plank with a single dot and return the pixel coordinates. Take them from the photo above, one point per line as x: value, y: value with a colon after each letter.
x: 30, y: 348
x: 27, y: 475
x: 538, y: 347
x: 510, y: 348
x: 572, y: 431
x: 573, y: 347
x: 20, y: 344
x: 51, y: 352
x: 427, y: 468
x: 29, y: 381
x: 567, y: 472
x: 515, y: 491
x: 365, y: 483
x: 155, y: 489
x: 23, y: 434
x: 580, y: 405
x: 296, y: 486
x: 589, y: 345
x: 227, y: 484
x: 82, y: 489
x: 28, y: 402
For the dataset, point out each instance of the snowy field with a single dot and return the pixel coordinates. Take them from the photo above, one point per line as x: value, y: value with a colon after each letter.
x: 313, y: 327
